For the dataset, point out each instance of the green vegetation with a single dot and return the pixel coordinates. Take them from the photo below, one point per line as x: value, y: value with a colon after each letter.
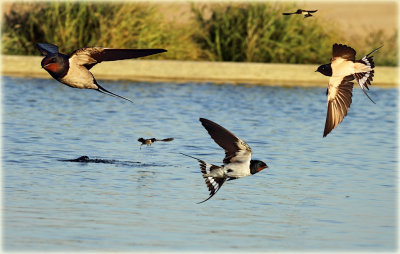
x: 255, y: 32
x: 258, y: 33
x: 72, y: 25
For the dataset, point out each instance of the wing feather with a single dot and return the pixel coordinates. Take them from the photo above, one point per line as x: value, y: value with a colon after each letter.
x: 89, y: 57
x: 339, y: 100
x: 343, y: 51
x: 235, y: 149
x: 46, y: 48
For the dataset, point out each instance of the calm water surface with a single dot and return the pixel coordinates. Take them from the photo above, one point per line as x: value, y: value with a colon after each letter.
x: 336, y: 193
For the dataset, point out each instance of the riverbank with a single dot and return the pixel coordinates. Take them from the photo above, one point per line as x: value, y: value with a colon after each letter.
x: 197, y: 71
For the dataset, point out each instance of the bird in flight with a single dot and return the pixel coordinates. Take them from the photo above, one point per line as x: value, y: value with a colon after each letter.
x: 237, y: 161
x: 150, y: 141
x: 342, y: 70
x: 74, y: 70
x: 300, y: 11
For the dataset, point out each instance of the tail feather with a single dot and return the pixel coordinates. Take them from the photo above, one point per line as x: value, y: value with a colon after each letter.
x: 373, y: 51
x: 213, y: 183
x: 105, y: 91
x: 365, y: 78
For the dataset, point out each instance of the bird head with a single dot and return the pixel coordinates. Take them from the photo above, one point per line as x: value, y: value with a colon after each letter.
x: 256, y: 166
x: 56, y: 64
x: 325, y: 69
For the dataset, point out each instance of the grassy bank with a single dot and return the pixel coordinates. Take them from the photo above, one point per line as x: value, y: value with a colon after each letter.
x: 198, y: 71
x: 238, y: 32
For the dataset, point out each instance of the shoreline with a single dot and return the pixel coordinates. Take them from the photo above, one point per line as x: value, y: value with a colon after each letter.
x: 266, y: 74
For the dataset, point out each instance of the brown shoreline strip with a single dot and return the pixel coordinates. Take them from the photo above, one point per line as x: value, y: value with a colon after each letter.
x: 198, y: 71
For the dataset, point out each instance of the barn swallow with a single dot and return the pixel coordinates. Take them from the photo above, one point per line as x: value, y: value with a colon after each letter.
x: 237, y: 161
x: 73, y: 70
x: 342, y: 70
x: 300, y: 11
x: 150, y: 141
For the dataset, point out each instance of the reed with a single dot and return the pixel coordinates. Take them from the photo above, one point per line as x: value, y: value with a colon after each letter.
x: 72, y: 25
x: 259, y: 33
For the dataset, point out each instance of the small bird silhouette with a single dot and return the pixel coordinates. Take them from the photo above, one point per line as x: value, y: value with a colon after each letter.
x: 150, y: 141
x: 300, y: 11
x: 237, y: 161
x: 73, y: 70
x: 342, y: 69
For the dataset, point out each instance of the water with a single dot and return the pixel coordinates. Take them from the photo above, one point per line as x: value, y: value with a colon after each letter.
x: 336, y: 193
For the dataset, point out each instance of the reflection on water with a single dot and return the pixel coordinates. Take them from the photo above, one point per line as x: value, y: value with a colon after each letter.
x: 336, y: 193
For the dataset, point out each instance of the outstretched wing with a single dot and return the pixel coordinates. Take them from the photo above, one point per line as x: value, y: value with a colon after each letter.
x: 46, y: 48
x: 89, y: 57
x: 288, y: 13
x: 166, y: 139
x: 236, y: 150
x: 311, y: 11
x: 343, y: 51
x: 339, y: 100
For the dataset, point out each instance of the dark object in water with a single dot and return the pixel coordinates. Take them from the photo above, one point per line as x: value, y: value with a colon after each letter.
x: 86, y: 159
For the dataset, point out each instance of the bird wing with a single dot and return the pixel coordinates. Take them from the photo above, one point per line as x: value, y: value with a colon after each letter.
x: 46, y: 48
x: 339, y: 100
x: 166, y: 139
x: 344, y: 52
x: 236, y: 150
x: 89, y: 57
x: 288, y: 13
x: 311, y: 11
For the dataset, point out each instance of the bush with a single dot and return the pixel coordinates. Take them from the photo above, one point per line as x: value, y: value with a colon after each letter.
x: 260, y: 33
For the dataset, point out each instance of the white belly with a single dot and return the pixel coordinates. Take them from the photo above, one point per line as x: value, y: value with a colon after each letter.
x: 79, y: 77
x: 237, y: 170
x: 343, y: 69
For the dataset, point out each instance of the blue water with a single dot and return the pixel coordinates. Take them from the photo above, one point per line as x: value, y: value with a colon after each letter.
x: 333, y: 194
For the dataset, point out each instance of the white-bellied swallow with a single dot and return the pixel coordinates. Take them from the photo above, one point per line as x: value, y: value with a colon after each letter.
x: 73, y: 70
x: 237, y: 161
x: 300, y: 11
x: 342, y: 69
x: 149, y: 141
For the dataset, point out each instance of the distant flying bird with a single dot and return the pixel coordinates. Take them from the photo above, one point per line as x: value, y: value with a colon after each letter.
x: 73, y: 70
x: 300, y: 11
x: 150, y: 141
x: 237, y: 161
x: 343, y: 69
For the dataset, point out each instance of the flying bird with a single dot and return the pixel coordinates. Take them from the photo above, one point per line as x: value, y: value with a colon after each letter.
x: 342, y: 69
x: 237, y: 161
x: 74, y: 70
x: 300, y: 11
x: 150, y: 141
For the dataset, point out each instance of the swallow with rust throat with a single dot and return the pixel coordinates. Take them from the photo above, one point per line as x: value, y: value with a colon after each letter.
x: 150, y: 141
x: 300, y: 11
x: 74, y: 70
x: 237, y: 161
x: 342, y: 69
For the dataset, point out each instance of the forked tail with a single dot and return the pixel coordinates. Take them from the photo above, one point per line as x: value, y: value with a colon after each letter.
x: 105, y: 91
x: 213, y: 183
x: 365, y: 78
